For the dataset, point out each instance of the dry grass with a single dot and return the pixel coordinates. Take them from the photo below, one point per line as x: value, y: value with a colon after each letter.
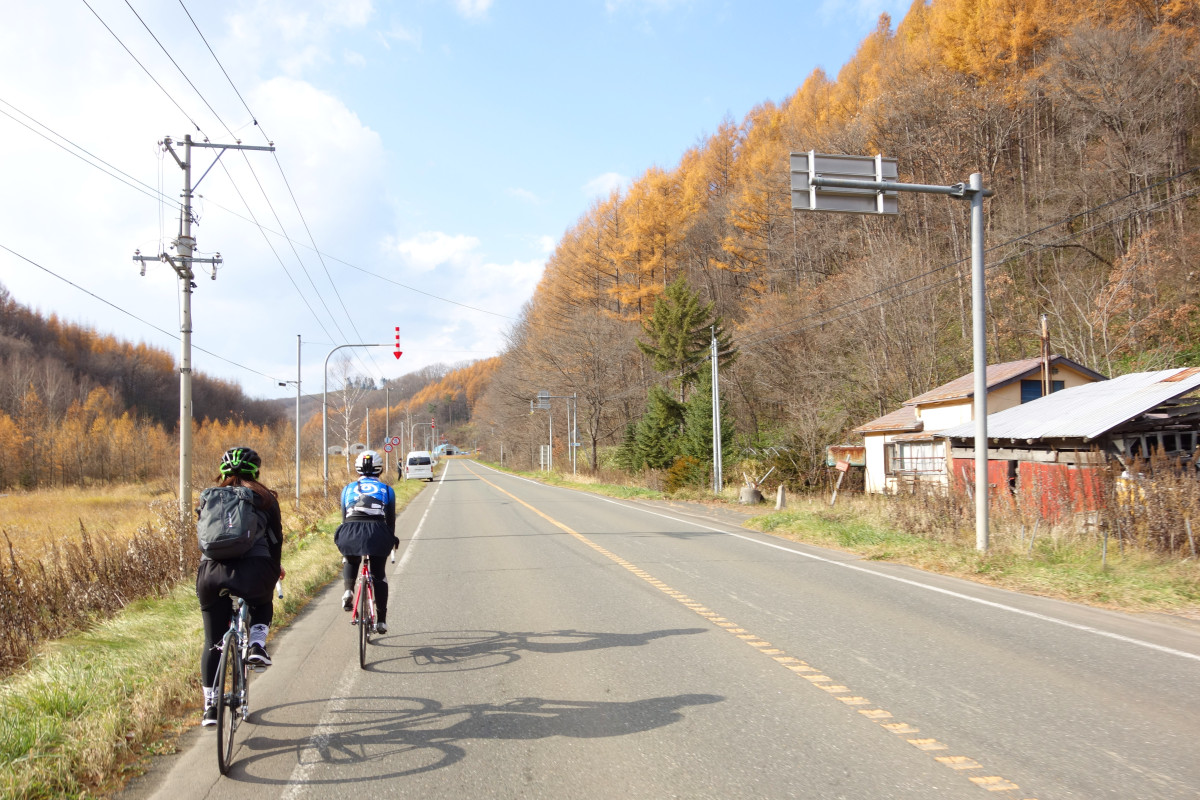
x: 1072, y: 559
x: 34, y: 520
x: 88, y: 709
x: 73, y: 556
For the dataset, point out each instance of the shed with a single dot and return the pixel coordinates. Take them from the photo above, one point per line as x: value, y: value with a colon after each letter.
x: 1054, y: 451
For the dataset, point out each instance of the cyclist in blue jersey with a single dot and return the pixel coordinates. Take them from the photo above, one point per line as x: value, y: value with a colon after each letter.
x: 368, y: 529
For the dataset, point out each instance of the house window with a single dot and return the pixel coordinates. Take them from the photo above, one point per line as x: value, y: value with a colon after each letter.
x: 915, y: 458
x: 1032, y: 389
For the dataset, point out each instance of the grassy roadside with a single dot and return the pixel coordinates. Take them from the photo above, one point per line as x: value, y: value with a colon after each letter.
x: 90, y: 708
x: 1063, y: 567
x: 1067, y: 568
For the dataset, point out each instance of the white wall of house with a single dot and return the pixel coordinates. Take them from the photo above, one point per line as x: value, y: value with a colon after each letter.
x: 875, y: 478
x: 944, y: 415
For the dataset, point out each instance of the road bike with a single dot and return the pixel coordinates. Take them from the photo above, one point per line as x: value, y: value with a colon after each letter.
x: 364, y: 613
x: 233, y: 680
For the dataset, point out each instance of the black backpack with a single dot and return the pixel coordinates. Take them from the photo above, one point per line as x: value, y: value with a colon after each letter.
x: 229, y: 523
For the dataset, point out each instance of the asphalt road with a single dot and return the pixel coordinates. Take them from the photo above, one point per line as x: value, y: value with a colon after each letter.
x: 547, y: 643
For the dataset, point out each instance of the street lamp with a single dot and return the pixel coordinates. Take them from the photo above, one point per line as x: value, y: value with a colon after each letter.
x: 325, y: 414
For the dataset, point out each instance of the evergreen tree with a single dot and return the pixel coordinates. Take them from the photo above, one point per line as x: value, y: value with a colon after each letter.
x: 628, y: 457
x: 697, y: 439
x: 658, y: 433
x: 680, y: 332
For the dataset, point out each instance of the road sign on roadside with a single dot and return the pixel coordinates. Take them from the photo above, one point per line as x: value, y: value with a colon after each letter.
x: 809, y: 197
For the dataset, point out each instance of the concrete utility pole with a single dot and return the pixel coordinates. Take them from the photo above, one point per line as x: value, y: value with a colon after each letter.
x: 297, y: 422
x: 182, y: 263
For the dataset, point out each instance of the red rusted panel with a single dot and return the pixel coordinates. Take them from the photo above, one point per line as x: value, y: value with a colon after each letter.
x: 1058, y: 490
x: 999, y: 477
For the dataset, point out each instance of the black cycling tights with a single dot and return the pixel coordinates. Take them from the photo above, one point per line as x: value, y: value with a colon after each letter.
x: 378, y: 574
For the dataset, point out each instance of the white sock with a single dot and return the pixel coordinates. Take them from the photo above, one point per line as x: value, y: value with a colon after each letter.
x: 210, y: 695
x: 258, y: 635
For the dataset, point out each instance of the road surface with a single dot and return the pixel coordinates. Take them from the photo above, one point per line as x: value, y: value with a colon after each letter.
x: 547, y: 643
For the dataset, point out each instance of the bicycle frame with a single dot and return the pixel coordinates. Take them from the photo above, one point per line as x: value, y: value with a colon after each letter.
x: 363, y: 612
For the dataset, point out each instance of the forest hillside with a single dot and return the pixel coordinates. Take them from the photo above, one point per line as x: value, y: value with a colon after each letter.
x: 1081, y: 117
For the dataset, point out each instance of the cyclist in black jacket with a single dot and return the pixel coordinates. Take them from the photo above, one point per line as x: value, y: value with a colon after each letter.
x: 251, y: 577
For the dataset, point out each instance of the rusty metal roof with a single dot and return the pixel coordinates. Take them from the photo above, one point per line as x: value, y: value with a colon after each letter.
x: 902, y: 419
x: 997, y: 375
x: 1088, y: 411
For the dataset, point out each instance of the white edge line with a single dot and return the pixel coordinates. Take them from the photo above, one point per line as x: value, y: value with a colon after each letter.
x: 908, y: 581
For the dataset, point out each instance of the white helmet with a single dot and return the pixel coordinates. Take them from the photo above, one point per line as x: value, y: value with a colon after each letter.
x: 368, y: 463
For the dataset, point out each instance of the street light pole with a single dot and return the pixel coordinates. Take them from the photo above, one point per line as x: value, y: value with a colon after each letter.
x: 325, y: 414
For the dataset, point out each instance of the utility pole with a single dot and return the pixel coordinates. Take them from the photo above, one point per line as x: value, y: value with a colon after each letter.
x: 718, y: 478
x: 185, y: 245
x: 297, y: 422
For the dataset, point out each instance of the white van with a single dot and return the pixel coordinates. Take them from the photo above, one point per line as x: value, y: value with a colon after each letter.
x: 418, y: 465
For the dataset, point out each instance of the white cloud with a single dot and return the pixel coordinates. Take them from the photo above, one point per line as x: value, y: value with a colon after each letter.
x: 472, y: 9
x: 432, y: 249
x: 547, y: 243
x: 603, y: 185
x: 303, y: 60
x: 354, y: 58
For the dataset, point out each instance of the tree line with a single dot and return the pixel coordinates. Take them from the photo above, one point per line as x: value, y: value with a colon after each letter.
x: 1082, y: 118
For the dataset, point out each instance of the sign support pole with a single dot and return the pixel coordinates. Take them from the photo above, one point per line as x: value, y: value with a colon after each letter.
x: 863, y: 196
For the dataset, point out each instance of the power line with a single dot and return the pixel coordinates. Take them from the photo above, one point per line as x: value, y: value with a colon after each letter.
x: 176, y: 63
x: 219, y: 64
x: 1016, y: 239
x: 216, y: 115
x: 121, y: 175
x: 756, y: 343
x: 282, y: 266
x: 365, y: 271
x: 110, y: 304
x: 332, y: 283
x: 195, y: 124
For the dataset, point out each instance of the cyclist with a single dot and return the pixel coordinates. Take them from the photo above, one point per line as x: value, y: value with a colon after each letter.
x: 251, y: 577
x: 368, y: 529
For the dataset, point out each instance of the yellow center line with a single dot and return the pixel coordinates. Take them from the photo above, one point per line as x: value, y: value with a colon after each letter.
x: 816, y: 677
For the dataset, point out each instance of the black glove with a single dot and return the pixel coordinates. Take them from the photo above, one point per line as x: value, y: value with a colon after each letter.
x: 395, y: 542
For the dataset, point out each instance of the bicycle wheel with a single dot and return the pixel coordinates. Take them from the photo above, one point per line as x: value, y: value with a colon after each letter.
x: 227, y: 705
x: 364, y: 623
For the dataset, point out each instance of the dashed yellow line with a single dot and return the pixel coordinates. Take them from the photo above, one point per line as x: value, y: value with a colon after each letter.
x: 814, y: 676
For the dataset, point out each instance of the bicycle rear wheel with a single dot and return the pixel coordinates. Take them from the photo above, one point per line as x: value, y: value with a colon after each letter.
x: 364, y: 623
x: 226, y: 685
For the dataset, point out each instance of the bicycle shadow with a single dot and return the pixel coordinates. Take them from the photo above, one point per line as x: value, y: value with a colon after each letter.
x: 411, y: 735
x: 471, y: 650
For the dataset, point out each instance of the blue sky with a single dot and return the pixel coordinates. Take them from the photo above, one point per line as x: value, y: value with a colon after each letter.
x: 433, y: 150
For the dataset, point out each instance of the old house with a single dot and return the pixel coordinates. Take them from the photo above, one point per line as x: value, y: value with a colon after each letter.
x: 902, y: 448
x: 1053, y: 453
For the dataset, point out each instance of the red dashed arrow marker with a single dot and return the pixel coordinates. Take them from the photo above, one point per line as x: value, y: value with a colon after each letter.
x: 397, y: 352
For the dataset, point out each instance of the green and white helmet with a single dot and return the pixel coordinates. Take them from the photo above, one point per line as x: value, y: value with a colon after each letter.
x: 240, y: 461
